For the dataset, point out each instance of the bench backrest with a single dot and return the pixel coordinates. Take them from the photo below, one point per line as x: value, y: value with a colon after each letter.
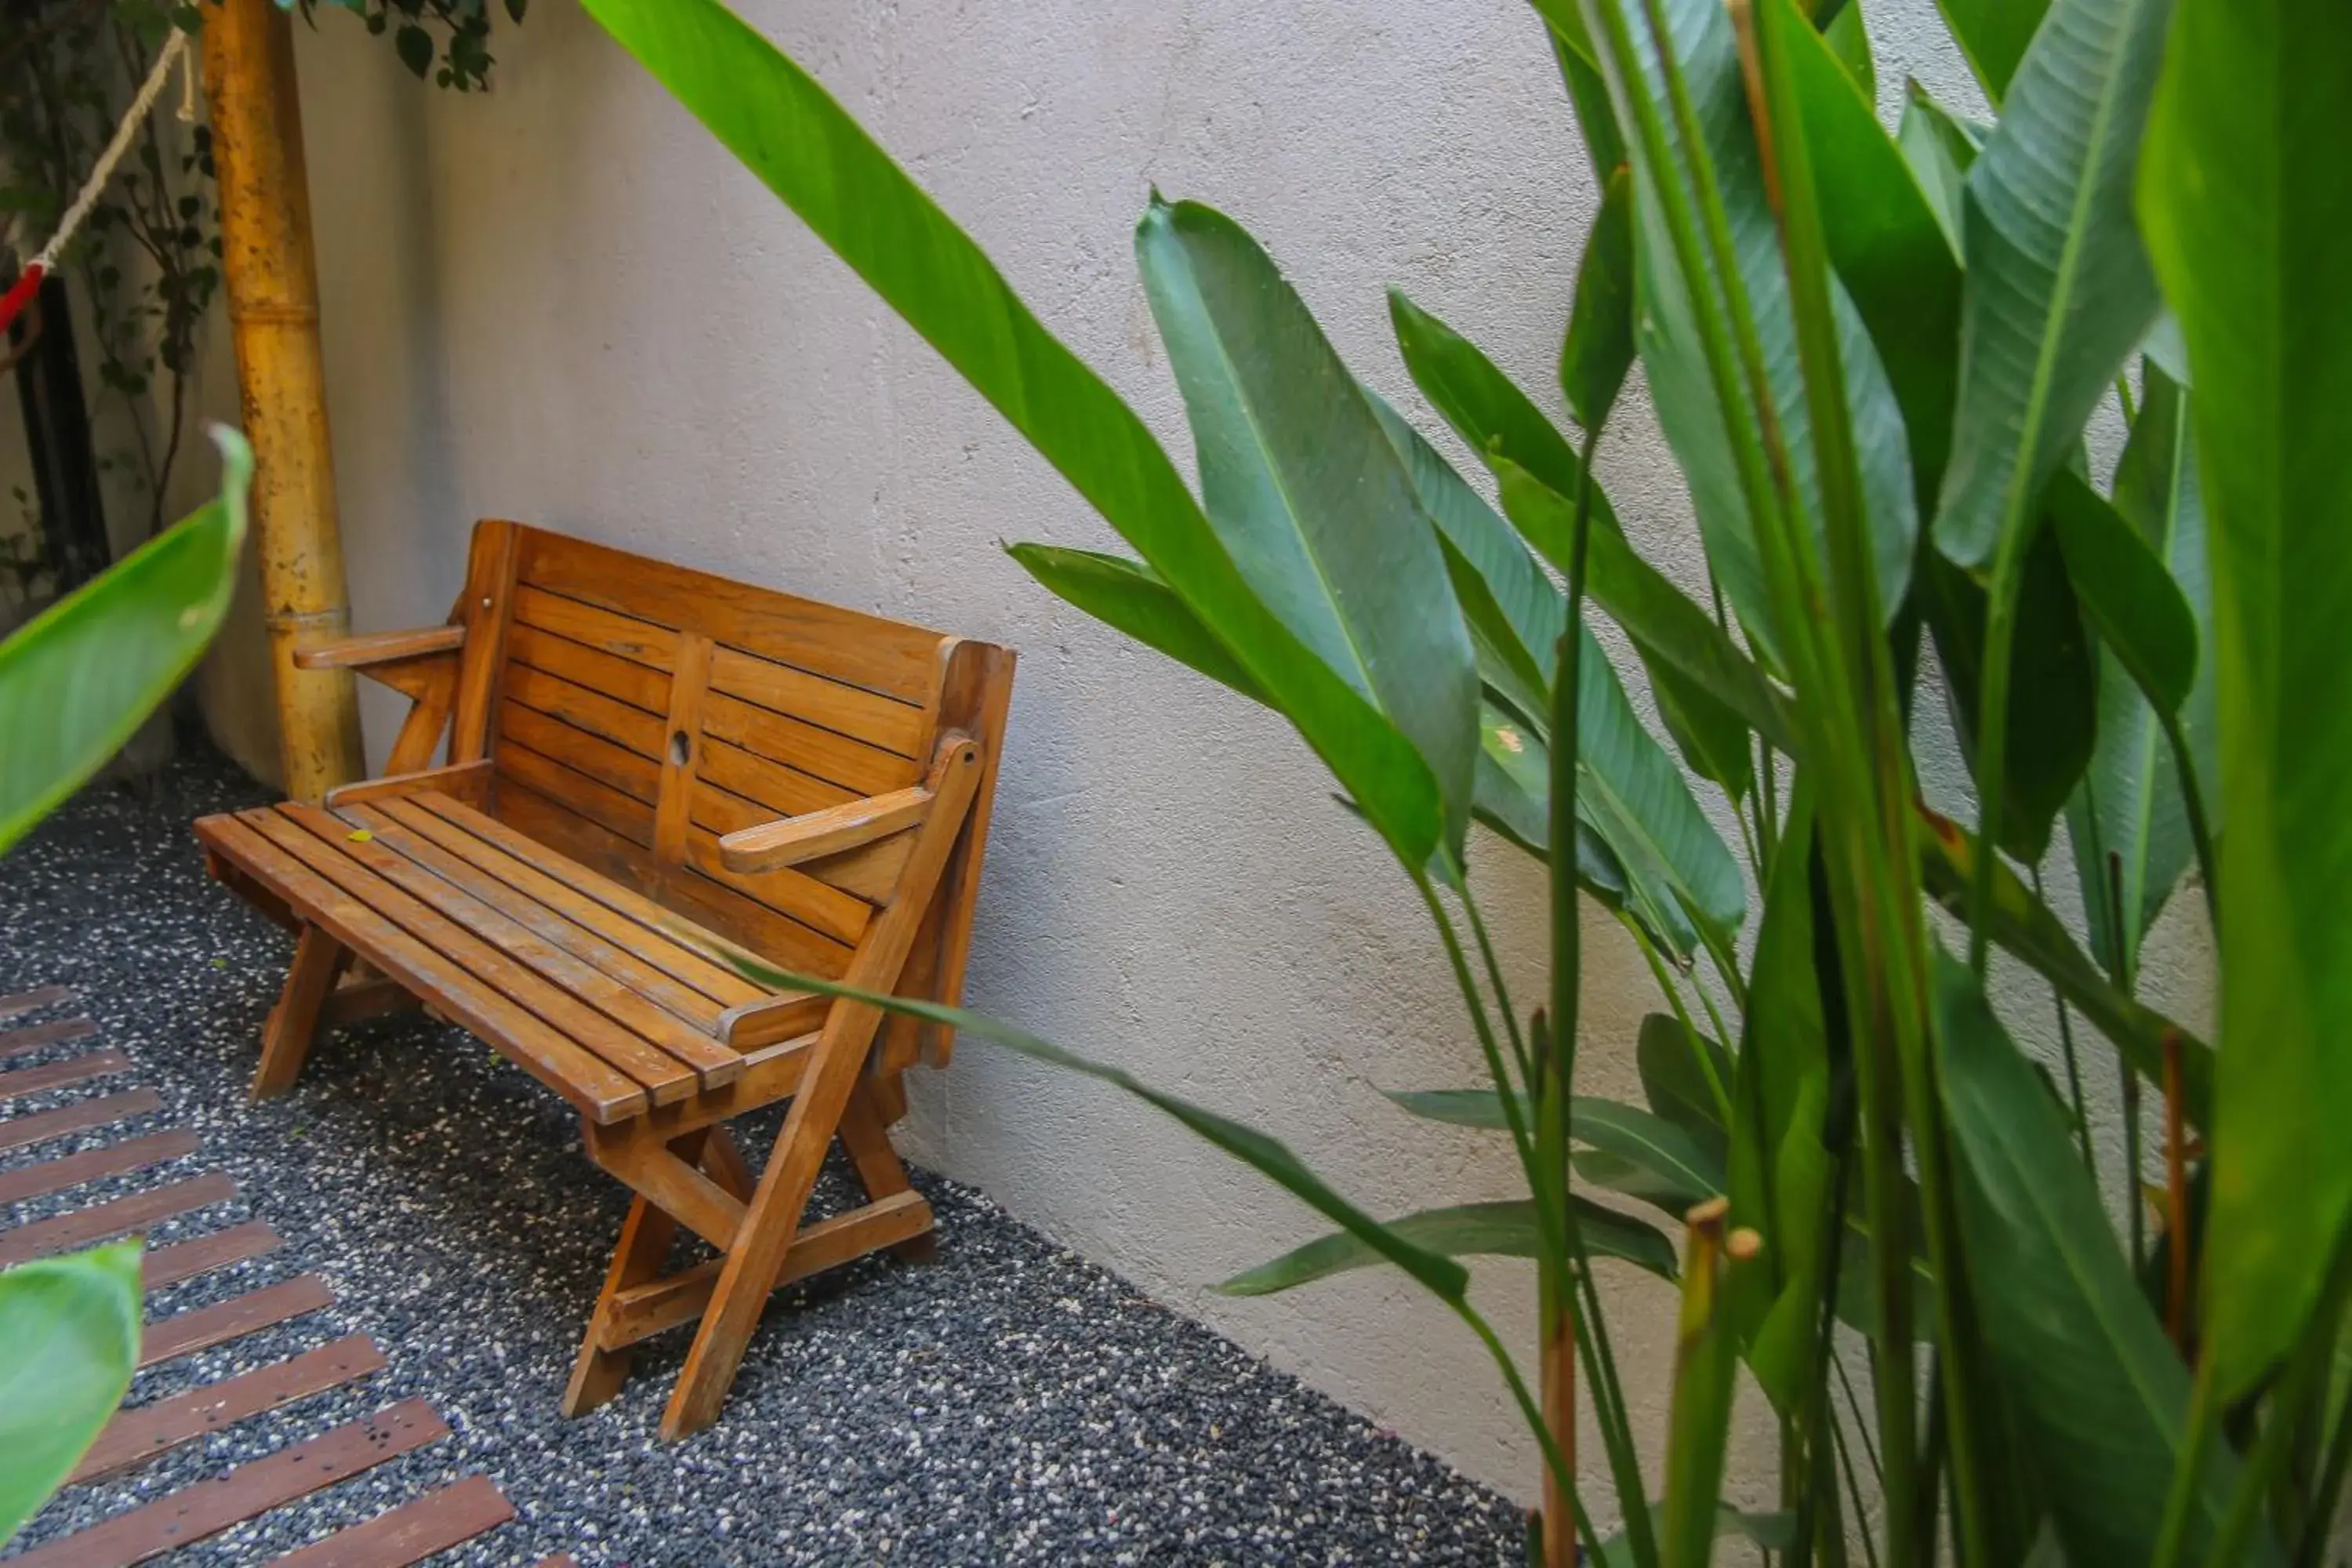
x: 634, y: 710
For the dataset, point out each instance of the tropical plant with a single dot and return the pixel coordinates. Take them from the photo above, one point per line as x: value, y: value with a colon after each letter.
x: 75, y: 682
x: 1874, y: 357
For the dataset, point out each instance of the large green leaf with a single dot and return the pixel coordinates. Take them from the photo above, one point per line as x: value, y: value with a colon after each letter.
x: 790, y: 133
x: 2059, y: 291
x: 1599, y: 348
x: 1306, y: 490
x: 1940, y: 148
x: 2102, y: 1396
x: 1993, y: 34
x: 1513, y: 797
x: 77, y: 679
x: 1650, y: 1157
x: 1888, y: 249
x: 70, y: 1329
x: 2051, y: 710
x: 2131, y: 807
x: 2249, y: 217
x: 1505, y: 1228
x: 1668, y: 335
x: 1128, y: 596
x: 1687, y: 1079
x: 2027, y: 929
x: 1524, y: 599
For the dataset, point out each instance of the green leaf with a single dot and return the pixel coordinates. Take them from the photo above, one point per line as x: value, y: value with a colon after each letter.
x: 1307, y: 491
x: 1940, y: 150
x: 1642, y: 805
x: 1678, y: 1172
x: 2025, y: 927
x: 2100, y: 1396
x: 1502, y: 1229
x: 2127, y: 591
x: 71, y: 1329
x: 2052, y: 709
x: 1478, y: 1108
x: 2249, y: 221
x: 1443, y: 1278
x: 785, y: 127
x: 1521, y: 597
x: 1772, y: 1531
x: 2131, y: 805
x: 1889, y: 251
x: 1686, y: 1079
x: 1599, y: 348
x: 1514, y: 798
x: 1680, y: 645
x: 1681, y: 388
x: 1849, y: 39
x: 80, y: 679
x: 1128, y: 596
x: 1993, y: 34
x: 2059, y: 291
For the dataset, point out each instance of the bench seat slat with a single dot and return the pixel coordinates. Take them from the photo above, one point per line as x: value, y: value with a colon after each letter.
x: 579, y: 1075
x: 620, y: 1003
x: 326, y: 847
x: 604, y: 905
x: 570, y: 921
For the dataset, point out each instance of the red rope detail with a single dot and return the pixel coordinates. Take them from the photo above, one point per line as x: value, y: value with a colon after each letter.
x: 12, y: 303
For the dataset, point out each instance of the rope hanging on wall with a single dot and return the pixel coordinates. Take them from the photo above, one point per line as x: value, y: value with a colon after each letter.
x: 45, y: 261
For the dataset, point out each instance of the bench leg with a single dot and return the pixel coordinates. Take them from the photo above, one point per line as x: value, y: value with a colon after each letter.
x: 319, y: 959
x: 865, y: 1135
x: 598, y: 1371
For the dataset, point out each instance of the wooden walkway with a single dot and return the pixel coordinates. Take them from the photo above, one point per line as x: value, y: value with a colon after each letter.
x: 431, y: 1522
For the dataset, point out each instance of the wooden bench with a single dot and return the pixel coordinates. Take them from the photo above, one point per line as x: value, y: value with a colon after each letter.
x: 649, y: 769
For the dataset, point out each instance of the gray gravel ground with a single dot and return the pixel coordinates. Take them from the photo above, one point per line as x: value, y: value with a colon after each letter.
x: 1009, y: 1403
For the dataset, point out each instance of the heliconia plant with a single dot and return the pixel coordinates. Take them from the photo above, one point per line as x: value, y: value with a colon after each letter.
x: 1874, y: 356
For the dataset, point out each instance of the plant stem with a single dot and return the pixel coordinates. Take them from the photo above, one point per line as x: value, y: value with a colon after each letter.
x: 1502, y: 990
x: 1665, y: 981
x: 2305, y: 1373
x: 1556, y: 1464
x: 2188, y: 1469
x: 2074, y: 1067
x: 2327, y: 1490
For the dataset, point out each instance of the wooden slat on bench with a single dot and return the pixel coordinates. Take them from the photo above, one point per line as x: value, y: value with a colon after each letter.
x: 606, y: 908
x: 886, y: 657
x: 547, y: 701
x: 746, y: 921
x: 782, y: 790
x: 30, y: 1001
x: 210, y: 1507
x: 141, y: 1432
x: 201, y: 1328
x: 23, y: 1131
x: 17, y: 1042
x: 878, y: 721
x: 688, y: 1007
x: 638, y: 685
x: 120, y: 1216
x: 186, y: 1260
x: 680, y: 1044
x: 853, y: 764
x: 477, y: 1003
x: 109, y: 1160
x: 414, y: 1531
x: 18, y: 1082
x: 606, y: 631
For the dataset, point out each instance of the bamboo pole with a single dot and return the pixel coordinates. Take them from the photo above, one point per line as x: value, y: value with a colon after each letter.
x: 273, y: 308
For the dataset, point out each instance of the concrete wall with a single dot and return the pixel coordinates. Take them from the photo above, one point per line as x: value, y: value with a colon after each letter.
x: 561, y: 302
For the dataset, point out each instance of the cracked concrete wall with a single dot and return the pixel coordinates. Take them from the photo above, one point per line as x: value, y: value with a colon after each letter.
x: 562, y: 302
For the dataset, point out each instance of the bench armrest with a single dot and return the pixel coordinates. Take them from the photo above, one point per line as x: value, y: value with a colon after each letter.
x: 813, y: 835
x: 379, y: 648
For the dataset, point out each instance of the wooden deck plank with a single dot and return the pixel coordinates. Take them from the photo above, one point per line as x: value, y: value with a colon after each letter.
x: 23, y: 1131
x: 18, y: 1041
x: 208, y: 1508
x: 201, y: 1328
x: 446, y: 1516
x: 553, y: 1058
x: 610, y: 910
x: 120, y: 1216
x: 141, y: 1434
x: 200, y: 1254
x: 18, y: 1082
x: 90, y: 1165
x: 35, y: 999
